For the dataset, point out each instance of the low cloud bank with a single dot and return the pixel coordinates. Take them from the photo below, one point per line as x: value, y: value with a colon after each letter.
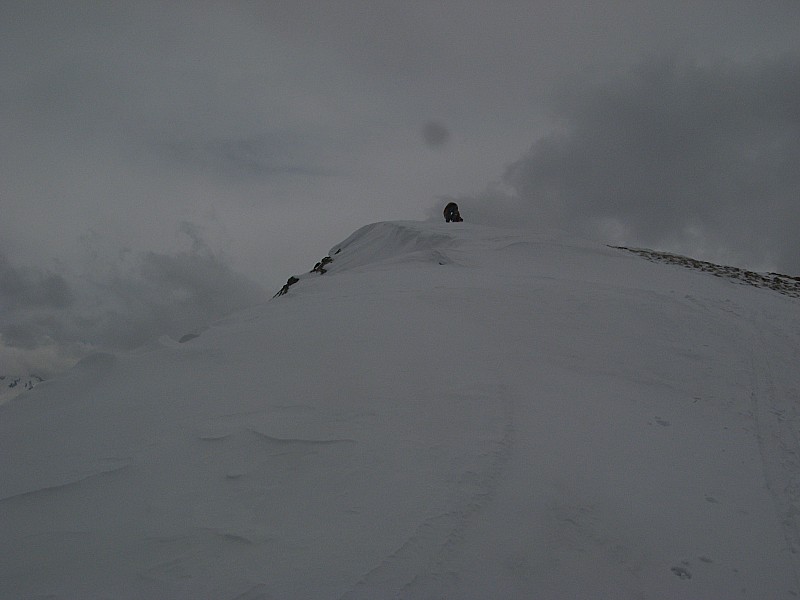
x: 698, y: 159
x: 49, y: 321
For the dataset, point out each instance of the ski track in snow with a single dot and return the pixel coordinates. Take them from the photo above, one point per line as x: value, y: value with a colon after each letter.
x: 423, y: 567
x: 774, y: 409
x: 774, y: 412
x: 774, y: 404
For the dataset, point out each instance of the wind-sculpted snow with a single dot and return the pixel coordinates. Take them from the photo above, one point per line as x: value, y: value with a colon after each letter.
x: 393, y: 242
x: 382, y: 246
x: 449, y: 411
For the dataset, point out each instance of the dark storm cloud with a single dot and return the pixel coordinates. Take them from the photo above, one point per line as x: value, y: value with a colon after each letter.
x: 27, y: 287
x: 28, y: 299
x: 149, y: 294
x: 698, y: 158
x: 125, y: 301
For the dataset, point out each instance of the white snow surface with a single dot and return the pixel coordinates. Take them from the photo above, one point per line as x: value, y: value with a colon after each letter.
x: 451, y: 411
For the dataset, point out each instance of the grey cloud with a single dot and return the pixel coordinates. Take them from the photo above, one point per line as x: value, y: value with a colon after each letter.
x: 198, y: 282
x: 152, y: 293
x: 261, y: 156
x: 126, y: 300
x: 32, y: 288
x: 696, y: 158
x: 29, y: 299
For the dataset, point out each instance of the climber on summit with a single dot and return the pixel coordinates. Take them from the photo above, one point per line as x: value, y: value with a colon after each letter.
x: 451, y: 213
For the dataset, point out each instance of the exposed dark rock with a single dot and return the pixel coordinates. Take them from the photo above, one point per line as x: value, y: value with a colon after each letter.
x: 289, y: 282
x: 783, y: 284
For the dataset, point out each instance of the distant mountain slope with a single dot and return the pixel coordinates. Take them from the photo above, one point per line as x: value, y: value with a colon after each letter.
x: 783, y: 284
x: 448, y: 411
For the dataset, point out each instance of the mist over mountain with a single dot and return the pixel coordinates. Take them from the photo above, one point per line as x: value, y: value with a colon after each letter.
x: 432, y: 411
x: 121, y: 300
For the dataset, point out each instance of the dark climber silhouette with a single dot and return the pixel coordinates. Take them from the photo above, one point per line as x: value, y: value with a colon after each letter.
x: 451, y: 213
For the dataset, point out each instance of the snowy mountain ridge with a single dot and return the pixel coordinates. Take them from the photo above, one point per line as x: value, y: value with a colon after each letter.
x: 448, y: 411
x: 778, y: 282
x: 11, y: 385
x: 407, y: 242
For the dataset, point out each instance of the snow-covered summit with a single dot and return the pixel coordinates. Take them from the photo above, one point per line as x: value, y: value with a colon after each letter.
x: 402, y: 245
x: 448, y: 411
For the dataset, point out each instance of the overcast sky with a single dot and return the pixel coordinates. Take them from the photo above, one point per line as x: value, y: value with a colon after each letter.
x: 162, y: 163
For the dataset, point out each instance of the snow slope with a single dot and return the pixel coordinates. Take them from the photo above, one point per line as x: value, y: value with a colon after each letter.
x: 450, y: 411
x: 13, y: 385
